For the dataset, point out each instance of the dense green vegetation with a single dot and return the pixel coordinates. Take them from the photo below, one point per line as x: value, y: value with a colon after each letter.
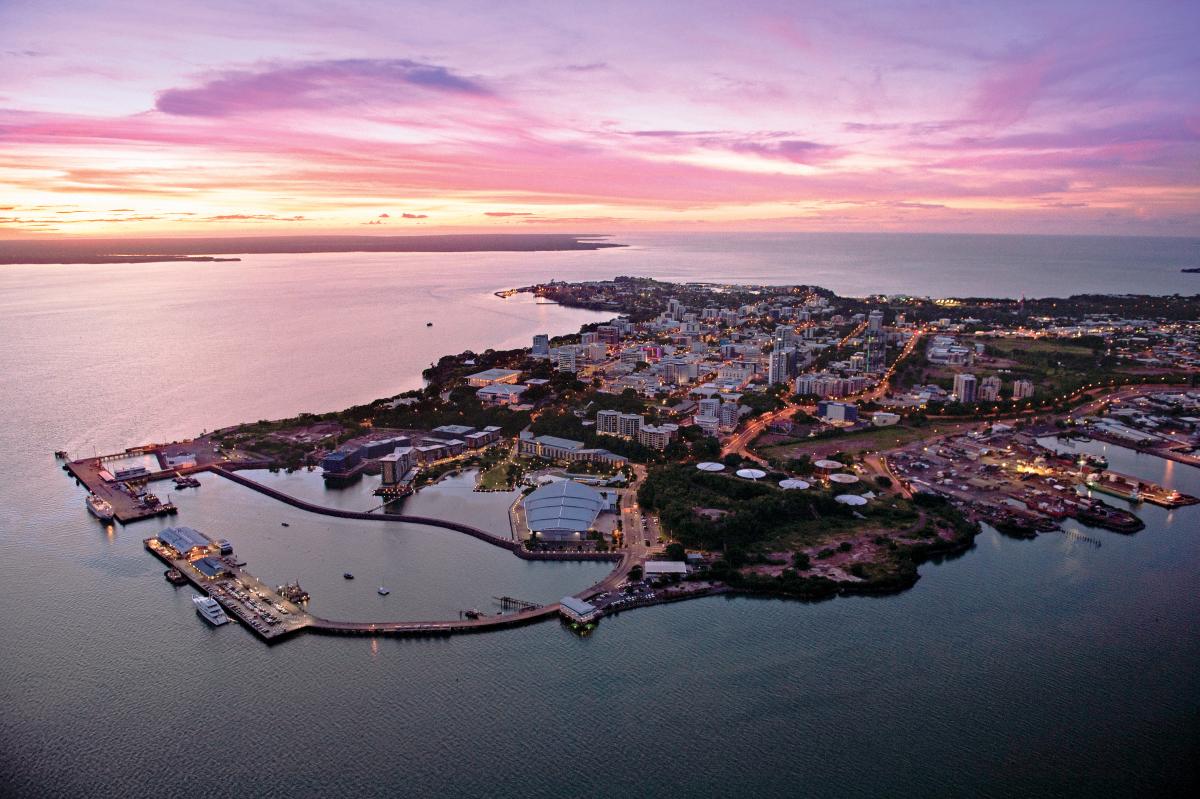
x: 753, y: 512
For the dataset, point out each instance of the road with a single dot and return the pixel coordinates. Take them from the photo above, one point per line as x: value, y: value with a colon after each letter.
x: 632, y: 518
x: 740, y: 441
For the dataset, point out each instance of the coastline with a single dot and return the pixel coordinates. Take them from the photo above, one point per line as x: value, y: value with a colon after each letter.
x: 204, y: 249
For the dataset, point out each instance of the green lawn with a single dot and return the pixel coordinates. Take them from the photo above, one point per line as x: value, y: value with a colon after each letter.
x: 874, y: 438
x: 495, y: 477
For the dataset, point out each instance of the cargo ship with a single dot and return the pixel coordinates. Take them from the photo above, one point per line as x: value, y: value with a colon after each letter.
x: 1114, y: 487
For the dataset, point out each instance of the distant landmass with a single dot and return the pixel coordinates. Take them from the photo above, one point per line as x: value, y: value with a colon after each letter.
x: 114, y: 251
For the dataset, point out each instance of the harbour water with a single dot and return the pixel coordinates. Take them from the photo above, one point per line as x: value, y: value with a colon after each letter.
x: 1049, y: 667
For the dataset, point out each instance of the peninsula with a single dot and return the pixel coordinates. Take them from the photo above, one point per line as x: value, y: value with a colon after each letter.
x: 115, y: 250
x: 777, y: 440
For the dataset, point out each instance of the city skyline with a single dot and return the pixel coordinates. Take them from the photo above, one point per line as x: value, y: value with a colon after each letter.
x: 133, y: 119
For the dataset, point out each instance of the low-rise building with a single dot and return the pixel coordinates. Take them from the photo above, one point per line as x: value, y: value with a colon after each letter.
x: 490, y: 376
x: 578, y: 611
x: 501, y: 394
x: 837, y: 411
x: 554, y: 448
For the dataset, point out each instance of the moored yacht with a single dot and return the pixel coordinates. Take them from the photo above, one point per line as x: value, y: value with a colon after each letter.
x: 100, y: 508
x: 210, y: 610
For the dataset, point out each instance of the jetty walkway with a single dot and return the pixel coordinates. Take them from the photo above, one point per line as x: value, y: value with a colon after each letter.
x: 624, y: 562
x: 511, y: 544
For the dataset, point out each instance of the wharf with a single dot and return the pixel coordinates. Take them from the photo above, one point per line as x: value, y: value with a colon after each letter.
x: 127, y: 505
x: 235, y: 598
x: 124, y: 496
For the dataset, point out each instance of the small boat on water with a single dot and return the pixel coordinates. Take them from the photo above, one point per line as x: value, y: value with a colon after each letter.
x: 175, y: 577
x: 348, y: 575
x: 210, y: 610
x: 100, y: 508
x: 429, y: 324
x: 284, y: 524
x: 383, y: 591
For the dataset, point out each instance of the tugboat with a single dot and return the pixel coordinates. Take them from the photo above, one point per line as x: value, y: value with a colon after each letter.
x: 348, y: 575
x: 175, y: 577
x: 429, y: 324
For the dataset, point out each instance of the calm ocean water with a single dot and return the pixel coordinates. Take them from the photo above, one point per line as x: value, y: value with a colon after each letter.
x: 1042, y: 668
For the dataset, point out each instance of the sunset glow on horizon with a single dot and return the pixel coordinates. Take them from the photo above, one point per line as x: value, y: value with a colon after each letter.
x: 137, y: 119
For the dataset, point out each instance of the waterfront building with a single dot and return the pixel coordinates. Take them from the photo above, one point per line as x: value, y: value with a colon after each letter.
x: 578, y: 611
x: 340, y: 461
x: 395, y: 465
x: 885, y: 419
x: 609, y: 334
x: 554, y: 448
x: 482, y: 438
x: 212, y: 567
x: 562, y: 512
x: 186, y: 542
x: 373, y: 449
x: 965, y: 387
x: 664, y: 568
x: 541, y: 346
x: 490, y: 376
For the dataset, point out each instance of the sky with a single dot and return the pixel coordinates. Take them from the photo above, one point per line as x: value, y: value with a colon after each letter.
x: 213, y: 118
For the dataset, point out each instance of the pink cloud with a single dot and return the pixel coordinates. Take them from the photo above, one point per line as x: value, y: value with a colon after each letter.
x: 316, y: 85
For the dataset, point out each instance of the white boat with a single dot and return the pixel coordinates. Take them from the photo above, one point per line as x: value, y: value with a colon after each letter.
x: 210, y: 610
x: 100, y: 508
x: 383, y: 591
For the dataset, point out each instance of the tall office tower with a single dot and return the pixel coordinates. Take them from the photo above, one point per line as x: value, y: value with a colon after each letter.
x: 875, y: 343
x: 782, y: 365
x: 566, y: 359
x: 728, y: 413
x: 541, y: 346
